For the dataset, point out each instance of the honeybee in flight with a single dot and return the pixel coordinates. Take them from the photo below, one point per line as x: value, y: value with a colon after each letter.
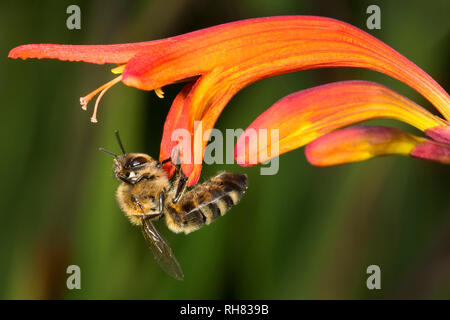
x: 147, y: 194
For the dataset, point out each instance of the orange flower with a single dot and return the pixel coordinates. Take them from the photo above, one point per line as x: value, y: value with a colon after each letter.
x: 308, y: 114
x: 365, y: 142
x: 225, y: 58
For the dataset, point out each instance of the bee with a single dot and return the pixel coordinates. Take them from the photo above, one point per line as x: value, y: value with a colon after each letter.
x: 146, y: 193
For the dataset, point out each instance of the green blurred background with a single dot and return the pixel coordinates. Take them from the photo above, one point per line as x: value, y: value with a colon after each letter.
x: 304, y: 233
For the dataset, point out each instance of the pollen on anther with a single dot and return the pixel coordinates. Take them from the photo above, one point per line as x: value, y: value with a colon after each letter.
x: 159, y: 92
x: 83, y: 103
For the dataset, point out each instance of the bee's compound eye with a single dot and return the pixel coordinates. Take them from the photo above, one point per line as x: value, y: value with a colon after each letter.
x: 136, y: 162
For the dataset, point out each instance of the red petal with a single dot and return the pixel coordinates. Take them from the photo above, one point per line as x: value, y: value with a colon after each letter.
x: 167, y: 143
x: 99, y: 54
x: 249, y: 50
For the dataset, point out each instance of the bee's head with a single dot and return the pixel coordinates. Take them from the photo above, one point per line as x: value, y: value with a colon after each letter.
x: 130, y: 167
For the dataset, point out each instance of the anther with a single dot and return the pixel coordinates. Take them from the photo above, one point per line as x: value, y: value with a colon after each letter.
x: 159, y: 92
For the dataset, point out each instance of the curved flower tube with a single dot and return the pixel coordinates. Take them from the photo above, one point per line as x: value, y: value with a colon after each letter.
x: 308, y: 114
x: 286, y: 43
x: 364, y: 142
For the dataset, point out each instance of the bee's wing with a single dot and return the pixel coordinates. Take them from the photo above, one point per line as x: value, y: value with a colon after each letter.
x: 161, y: 251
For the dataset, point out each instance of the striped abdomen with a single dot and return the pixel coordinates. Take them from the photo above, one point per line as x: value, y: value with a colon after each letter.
x: 206, y: 202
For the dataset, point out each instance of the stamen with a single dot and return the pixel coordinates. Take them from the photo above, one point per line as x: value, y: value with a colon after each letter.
x: 119, y: 69
x: 85, y: 100
x: 94, y: 114
x: 159, y: 92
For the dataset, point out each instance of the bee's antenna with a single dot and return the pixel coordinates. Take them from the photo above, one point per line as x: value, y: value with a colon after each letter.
x: 120, y: 142
x: 108, y: 152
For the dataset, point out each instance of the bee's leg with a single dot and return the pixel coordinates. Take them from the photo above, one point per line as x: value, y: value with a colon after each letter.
x: 180, y: 177
x: 135, y: 200
x: 181, y: 186
x: 162, y: 198
x: 177, y: 163
x: 160, y: 164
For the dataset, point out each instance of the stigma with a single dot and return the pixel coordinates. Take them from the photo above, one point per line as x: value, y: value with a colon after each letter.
x: 100, y: 91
